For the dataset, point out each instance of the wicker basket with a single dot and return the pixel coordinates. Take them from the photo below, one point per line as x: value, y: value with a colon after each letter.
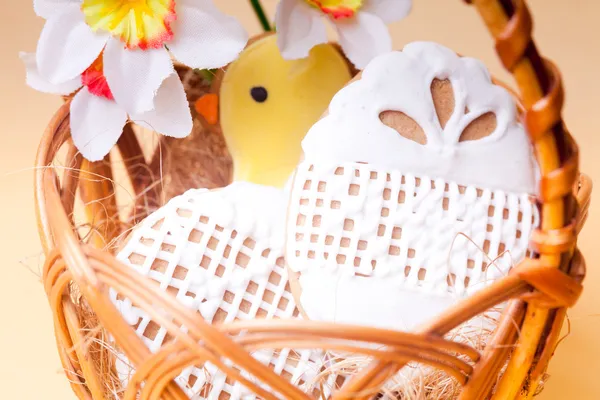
x: 511, y: 366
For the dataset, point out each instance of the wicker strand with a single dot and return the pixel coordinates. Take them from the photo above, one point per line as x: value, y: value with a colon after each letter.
x: 534, y: 86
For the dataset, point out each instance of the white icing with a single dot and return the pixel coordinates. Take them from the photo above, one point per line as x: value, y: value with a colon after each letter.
x: 401, y: 81
x: 239, y: 223
x: 369, y: 301
x: 363, y: 261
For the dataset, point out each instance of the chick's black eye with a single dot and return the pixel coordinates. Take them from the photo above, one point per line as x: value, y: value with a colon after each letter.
x: 259, y: 94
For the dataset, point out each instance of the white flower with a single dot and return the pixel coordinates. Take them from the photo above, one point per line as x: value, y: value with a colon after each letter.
x: 97, y: 121
x: 133, y: 36
x: 360, y: 24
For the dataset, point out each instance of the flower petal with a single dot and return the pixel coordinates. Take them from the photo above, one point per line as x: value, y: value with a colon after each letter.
x: 299, y: 29
x: 47, y: 8
x: 67, y: 46
x: 96, y: 124
x: 204, y: 37
x: 171, y: 115
x: 38, y: 83
x: 363, y: 38
x: 388, y: 10
x: 134, y: 76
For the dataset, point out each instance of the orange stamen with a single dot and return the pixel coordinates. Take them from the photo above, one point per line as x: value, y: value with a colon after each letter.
x: 93, y: 78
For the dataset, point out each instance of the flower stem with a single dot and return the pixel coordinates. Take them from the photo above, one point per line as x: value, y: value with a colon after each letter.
x: 260, y: 14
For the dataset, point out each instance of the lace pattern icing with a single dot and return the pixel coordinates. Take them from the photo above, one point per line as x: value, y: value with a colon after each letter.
x: 416, y: 234
x: 224, y: 260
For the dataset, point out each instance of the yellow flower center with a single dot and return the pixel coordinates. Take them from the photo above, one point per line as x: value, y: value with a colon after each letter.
x: 137, y: 23
x: 337, y: 9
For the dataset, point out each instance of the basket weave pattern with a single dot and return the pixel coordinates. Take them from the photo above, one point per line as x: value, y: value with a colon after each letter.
x: 539, y: 288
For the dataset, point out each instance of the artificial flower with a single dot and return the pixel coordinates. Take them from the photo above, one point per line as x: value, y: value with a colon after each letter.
x: 132, y: 36
x: 97, y: 120
x: 360, y: 25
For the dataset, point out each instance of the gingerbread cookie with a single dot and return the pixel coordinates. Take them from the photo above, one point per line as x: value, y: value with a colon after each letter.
x: 414, y: 192
x: 221, y: 254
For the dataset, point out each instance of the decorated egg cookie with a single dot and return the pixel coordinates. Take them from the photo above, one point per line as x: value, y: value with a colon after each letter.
x: 415, y: 191
x: 220, y: 253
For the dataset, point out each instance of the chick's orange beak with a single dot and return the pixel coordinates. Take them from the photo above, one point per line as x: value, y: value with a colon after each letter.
x: 208, y: 107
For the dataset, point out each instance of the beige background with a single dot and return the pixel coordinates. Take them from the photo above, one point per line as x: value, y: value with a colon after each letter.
x: 566, y: 31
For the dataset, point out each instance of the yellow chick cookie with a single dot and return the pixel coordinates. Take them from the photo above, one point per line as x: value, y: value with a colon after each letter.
x: 267, y: 104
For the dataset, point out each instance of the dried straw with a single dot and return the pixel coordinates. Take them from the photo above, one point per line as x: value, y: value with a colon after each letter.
x: 200, y: 160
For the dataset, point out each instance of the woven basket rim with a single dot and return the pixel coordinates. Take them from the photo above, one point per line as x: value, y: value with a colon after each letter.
x: 555, y: 275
